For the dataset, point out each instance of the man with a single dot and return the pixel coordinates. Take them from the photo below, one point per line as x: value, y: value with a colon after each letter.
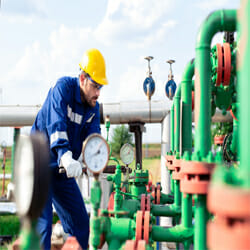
x: 70, y: 113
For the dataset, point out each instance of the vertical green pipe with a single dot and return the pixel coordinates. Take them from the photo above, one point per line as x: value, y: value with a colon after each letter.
x: 186, y: 210
x: 186, y: 214
x: 234, y: 143
x: 172, y: 182
x: 186, y: 96
x: 177, y: 199
x: 243, y: 76
x: 201, y: 216
x: 172, y: 128
x: 177, y: 100
x: 15, y: 137
x: 217, y: 21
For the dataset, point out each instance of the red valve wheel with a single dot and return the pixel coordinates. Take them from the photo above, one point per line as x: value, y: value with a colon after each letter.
x: 138, y: 232
x: 192, y: 100
x: 148, y: 205
x: 220, y: 64
x: 102, y: 241
x: 218, y: 139
x: 232, y: 114
x: 153, y: 193
x: 111, y: 202
x: 146, y: 226
x: 71, y: 243
x: 130, y: 245
x: 143, y: 202
x: 158, y: 194
x: 227, y: 64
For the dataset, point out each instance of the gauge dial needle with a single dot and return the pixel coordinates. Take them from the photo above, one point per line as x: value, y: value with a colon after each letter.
x: 98, y: 149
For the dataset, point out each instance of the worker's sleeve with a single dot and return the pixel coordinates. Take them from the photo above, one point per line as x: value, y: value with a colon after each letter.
x: 57, y: 121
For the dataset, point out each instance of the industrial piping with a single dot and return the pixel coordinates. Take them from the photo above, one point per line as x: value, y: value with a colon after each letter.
x: 119, y: 113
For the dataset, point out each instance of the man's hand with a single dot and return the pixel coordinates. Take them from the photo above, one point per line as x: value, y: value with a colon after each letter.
x: 73, y: 167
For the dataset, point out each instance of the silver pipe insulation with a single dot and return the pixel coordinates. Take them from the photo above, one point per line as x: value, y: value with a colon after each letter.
x: 140, y: 111
x: 119, y: 113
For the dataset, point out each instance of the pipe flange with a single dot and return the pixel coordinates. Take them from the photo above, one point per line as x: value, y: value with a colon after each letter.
x: 177, y: 173
x: 169, y: 161
x: 196, y: 177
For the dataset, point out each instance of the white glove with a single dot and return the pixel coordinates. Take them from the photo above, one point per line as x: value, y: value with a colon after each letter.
x: 73, y: 168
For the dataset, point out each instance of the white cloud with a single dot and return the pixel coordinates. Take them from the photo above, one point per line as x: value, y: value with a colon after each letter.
x: 156, y: 36
x: 128, y: 19
x: 214, y: 4
x: 40, y: 66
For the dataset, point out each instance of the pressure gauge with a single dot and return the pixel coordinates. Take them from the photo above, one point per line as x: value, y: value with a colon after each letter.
x: 95, y: 153
x: 31, y: 174
x: 127, y: 154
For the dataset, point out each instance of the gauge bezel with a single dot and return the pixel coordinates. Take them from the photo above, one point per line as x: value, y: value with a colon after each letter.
x: 38, y: 152
x: 85, y: 143
x: 122, y: 148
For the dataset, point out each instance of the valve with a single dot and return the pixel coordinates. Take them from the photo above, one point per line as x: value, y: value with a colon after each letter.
x: 170, y: 85
x: 149, y: 84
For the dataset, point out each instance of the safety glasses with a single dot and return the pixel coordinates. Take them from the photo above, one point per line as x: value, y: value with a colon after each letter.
x: 95, y: 84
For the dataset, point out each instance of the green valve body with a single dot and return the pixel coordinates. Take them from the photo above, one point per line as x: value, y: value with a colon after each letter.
x: 138, y: 181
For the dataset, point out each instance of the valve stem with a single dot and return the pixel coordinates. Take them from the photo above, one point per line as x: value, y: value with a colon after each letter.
x: 170, y: 76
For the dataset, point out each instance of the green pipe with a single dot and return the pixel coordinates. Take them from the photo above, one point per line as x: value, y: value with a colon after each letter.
x: 121, y: 229
x: 165, y: 210
x: 131, y: 206
x: 29, y: 237
x: 201, y: 217
x: 172, y: 128
x: 217, y: 21
x: 173, y: 234
x: 117, y: 183
x: 234, y: 144
x: 172, y: 182
x: 186, y: 216
x: 15, y: 137
x: 243, y: 91
x: 114, y: 244
x: 186, y: 210
x: 186, y: 95
x: 177, y: 99
x: 177, y: 193
x: 167, y: 198
x: 177, y: 200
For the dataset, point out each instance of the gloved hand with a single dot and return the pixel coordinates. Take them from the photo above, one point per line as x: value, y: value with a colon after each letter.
x: 73, y: 167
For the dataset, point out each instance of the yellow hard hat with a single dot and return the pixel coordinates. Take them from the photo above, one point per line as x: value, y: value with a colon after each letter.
x: 93, y: 64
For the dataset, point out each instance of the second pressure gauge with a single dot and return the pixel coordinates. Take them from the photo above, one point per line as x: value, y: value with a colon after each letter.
x: 127, y: 154
x: 95, y: 153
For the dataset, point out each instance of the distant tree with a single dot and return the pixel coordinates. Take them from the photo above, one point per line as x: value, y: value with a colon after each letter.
x: 120, y: 136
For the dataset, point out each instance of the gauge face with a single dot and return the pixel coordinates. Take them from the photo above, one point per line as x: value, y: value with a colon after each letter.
x: 127, y: 154
x: 24, y: 174
x: 95, y: 153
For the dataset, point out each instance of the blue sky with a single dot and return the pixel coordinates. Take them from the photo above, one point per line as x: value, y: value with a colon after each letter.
x: 41, y: 40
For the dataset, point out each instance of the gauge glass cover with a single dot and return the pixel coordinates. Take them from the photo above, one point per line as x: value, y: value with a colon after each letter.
x: 95, y: 153
x: 127, y: 153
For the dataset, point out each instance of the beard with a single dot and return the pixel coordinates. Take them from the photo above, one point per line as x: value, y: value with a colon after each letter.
x: 90, y: 101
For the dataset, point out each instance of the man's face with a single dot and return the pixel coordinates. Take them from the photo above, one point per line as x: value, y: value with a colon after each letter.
x: 90, y: 89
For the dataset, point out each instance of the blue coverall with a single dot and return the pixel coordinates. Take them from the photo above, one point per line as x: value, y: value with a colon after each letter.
x: 66, y: 121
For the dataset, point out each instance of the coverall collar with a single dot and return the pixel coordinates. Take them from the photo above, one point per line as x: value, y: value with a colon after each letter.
x: 78, y: 93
